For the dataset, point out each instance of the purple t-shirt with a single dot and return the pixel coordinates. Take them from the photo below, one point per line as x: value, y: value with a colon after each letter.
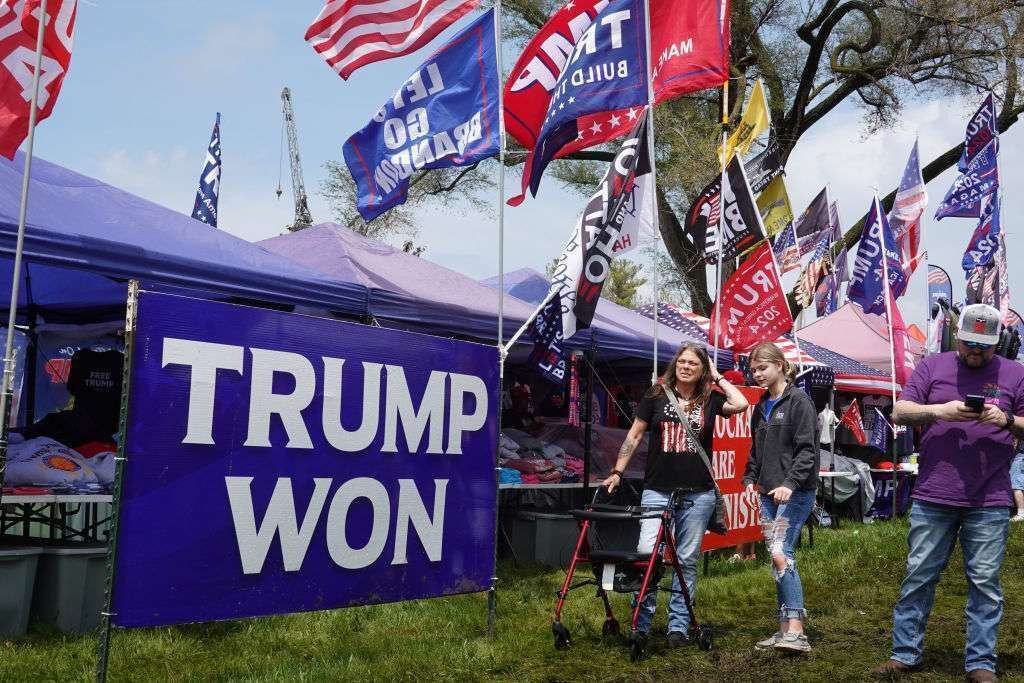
x: 965, y: 464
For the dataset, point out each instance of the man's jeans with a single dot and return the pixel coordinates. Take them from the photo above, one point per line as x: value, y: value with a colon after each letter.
x: 690, y: 523
x: 781, y: 525
x: 933, y: 533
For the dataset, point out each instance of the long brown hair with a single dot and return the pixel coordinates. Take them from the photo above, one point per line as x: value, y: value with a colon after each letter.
x: 668, y: 377
x: 767, y: 351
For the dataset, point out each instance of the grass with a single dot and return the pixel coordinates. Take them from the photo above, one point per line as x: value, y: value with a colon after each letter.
x: 851, y: 578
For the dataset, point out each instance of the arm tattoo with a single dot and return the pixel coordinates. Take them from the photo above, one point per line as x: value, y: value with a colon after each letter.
x: 628, y: 446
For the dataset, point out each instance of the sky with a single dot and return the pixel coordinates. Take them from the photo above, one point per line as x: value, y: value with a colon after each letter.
x: 148, y: 77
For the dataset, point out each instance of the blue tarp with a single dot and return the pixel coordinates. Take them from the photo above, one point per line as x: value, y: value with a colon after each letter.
x: 411, y: 291
x: 84, y: 239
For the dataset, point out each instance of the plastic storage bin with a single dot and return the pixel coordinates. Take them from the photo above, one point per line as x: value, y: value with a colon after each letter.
x: 69, y: 586
x: 544, y: 537
x: 17, y: 578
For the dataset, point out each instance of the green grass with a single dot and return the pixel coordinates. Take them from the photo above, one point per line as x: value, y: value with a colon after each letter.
x: 851, y: 577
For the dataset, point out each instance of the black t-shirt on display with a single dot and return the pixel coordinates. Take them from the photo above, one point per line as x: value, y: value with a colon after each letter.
x: 672, y: 460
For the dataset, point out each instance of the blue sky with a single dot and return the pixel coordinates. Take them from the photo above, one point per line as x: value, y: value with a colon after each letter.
x: 147, y: 78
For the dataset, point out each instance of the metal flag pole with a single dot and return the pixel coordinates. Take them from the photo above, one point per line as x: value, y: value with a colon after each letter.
x: 655, y: 222
x: 492, y: 592
x: 721, y: 212
x: 923, y: 245
x: 6, y: 389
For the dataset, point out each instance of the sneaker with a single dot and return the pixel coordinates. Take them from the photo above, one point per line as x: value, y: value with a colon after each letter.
x: 677, y: 639
x: 793, y: 642
x: 1019, y: 517
x: 769, y: 642
x: 894, y: 669
x: 981, y: 676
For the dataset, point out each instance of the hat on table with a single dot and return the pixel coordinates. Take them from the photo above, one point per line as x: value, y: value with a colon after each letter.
x: 981, y: 324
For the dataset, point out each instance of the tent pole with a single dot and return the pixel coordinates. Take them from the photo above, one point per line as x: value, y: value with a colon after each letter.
x: 6, y: 389
x: 588, y: 425
x: 655, y: 214
x: 492, y: 593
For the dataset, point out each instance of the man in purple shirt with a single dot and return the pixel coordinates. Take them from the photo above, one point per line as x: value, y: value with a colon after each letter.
x: 963, y: 489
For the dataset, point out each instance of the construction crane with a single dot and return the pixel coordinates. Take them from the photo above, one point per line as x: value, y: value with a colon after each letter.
x: 303, y: 219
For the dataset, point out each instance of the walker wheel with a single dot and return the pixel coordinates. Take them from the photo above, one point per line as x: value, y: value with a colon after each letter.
x: 562, y: 640
x: 610, y: 627
x: 705, y: 641
x: 637, y: 647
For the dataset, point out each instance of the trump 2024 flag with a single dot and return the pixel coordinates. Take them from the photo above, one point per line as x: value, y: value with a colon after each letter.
x: 752, y: 306
x: 445, y: 114
x: 205, y: 208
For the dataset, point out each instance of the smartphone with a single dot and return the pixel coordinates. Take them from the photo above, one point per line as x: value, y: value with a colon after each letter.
x: 974, y: 402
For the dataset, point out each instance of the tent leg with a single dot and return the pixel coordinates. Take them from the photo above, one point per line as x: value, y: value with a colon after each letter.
x: 126, y: 383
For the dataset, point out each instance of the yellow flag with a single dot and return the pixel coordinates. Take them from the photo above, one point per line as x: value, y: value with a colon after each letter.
x: 773, y: 203
x: 755, y: 120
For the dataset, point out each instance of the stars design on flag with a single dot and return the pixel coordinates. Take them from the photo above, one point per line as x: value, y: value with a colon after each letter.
x: 632, y: 114
x: 614, y: 120
x: 596, y: 128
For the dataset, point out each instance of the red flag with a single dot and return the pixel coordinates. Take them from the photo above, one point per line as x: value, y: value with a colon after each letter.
x: 752, y: 307
x: 903, y: 359
x: 689, y: 48
x: 18, y: 26
x: 851, y: 418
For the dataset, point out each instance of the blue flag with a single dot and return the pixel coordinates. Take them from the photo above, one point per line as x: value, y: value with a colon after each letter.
x: 985, y: 240
x: 444, y: 115
x: 981, y: 130
x: 867, y: 285
x: 605, y: 72
x: 205, y: 208
x: 979, y: 180
x: 548, y: 354
x: 879, y: 438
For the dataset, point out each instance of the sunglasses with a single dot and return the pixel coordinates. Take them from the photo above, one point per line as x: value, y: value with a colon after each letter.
x: 977, y: 345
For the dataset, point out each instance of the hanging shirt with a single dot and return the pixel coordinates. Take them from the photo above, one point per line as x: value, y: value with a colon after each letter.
x: 827, y: 424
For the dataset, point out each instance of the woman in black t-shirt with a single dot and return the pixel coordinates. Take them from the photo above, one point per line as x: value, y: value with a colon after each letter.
x: 674, y: 462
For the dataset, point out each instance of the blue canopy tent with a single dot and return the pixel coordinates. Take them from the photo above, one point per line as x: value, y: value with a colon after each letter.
x: 84, y: 239
x: 410, y: 291
x: 529, y: 285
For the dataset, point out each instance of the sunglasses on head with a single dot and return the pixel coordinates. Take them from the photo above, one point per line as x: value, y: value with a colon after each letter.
x: 977, y: 345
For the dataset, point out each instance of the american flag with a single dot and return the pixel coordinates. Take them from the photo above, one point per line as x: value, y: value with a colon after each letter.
x: 850, y: 375
x: 937, y: 276
x: 816, y: 268
x: 905, y: 217
x: 349, y: 34
x: 786, y: 251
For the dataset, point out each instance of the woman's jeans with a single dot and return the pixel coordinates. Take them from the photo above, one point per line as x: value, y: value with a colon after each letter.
x: 781, y: 525
x: 933, y: 533
x: 690, y: 522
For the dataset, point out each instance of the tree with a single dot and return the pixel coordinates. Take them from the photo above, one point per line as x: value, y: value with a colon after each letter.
x: 813, y: 56
x: 623, y: 283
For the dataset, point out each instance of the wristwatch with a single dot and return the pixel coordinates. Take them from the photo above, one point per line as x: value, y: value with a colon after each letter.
x: 1009, y: 419
x: 616, y: 472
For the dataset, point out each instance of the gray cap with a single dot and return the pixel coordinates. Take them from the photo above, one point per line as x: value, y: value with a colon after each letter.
x: 980, y: 323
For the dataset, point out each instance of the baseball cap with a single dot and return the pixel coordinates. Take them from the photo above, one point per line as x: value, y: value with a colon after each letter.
x: 980, y: 323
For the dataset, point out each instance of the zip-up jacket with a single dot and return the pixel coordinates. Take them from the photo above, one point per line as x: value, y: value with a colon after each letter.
x: 785, y: 446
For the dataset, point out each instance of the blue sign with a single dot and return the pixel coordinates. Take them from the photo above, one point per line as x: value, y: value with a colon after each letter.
x: 867, y: 284
x: 282, y: 463
x: 985, y: 240
x: 444, y: 115
x: 605, y: 72
x: 205, y: 208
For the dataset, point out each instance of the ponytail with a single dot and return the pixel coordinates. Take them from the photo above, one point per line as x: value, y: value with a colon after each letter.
x: 768, y: 351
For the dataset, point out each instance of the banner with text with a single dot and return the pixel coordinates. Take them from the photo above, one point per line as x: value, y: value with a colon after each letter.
x: 729, y: 455
x: 281, y: 463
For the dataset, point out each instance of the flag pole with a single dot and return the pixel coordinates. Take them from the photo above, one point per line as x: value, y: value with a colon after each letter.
x: 721, y: 210
x: 6, y: 389
x: 654, y: 180
x: 492, y: 593
x: 888, y: 305
x: 924, y: 247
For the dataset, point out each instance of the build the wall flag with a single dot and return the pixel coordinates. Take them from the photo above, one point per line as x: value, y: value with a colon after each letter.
x: 548, y: 353
x: 205, y: 208
x: 18, y: 29
x: 605, y: 72
x: 445, y: 114
x: 752, y: 306
x: 867, y: 284
x: 585, y: 263
x: 689, y: 45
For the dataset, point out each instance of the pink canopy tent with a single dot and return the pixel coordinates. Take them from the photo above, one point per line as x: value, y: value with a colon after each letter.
x: 859, y: 335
